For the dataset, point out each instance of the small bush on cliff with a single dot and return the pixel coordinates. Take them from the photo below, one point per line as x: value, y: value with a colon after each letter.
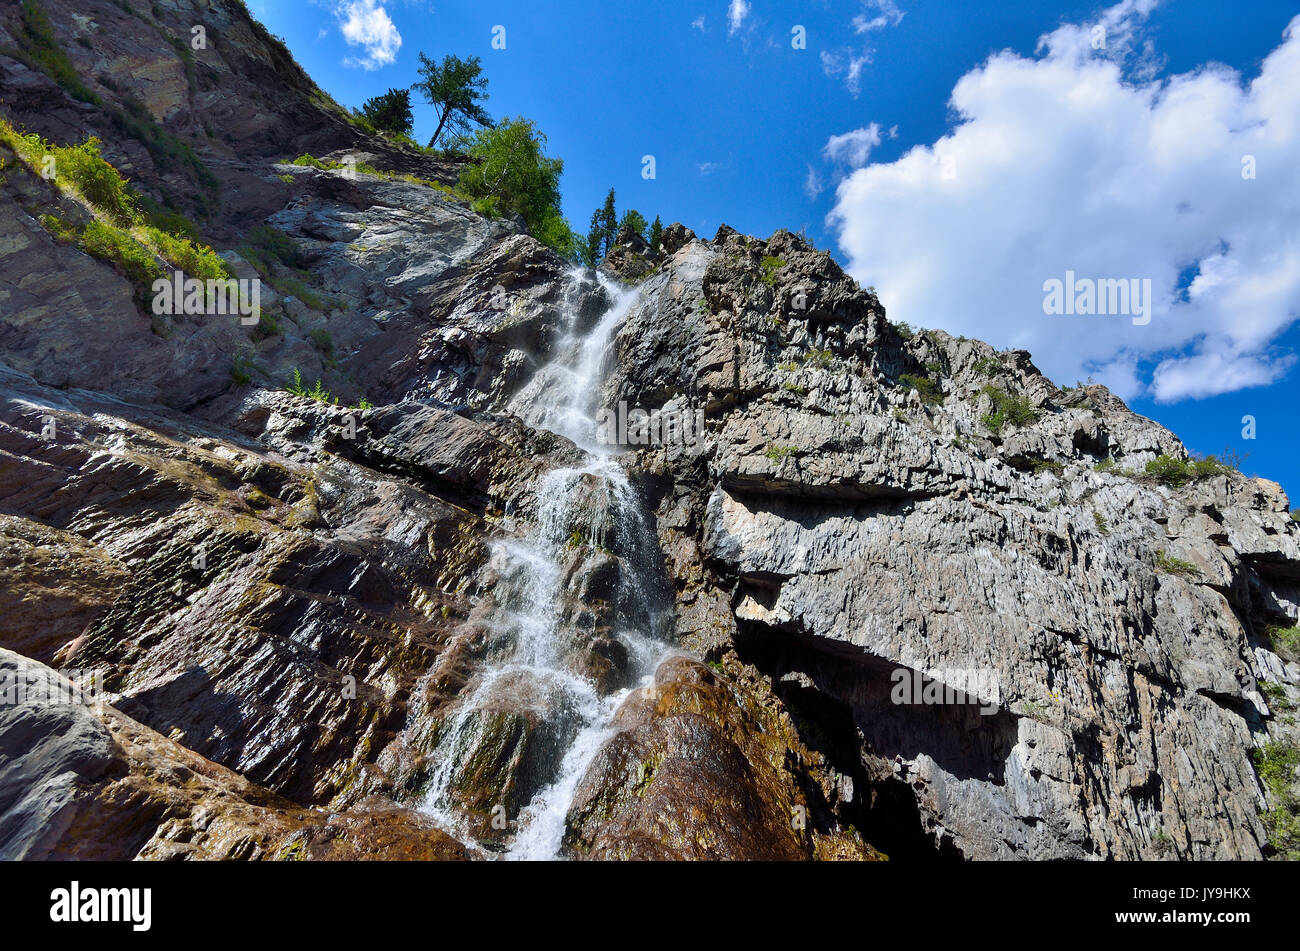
x: 770, y: 266
x: 1174, y: 566
x: 777, y: 453
x: 1171, y: 471
x: 1007, y: 408
x: 1276, y: 763
x: 316, y: 392
x: 117, y: 247
x: 1285, y: 641
x: 925, y: 387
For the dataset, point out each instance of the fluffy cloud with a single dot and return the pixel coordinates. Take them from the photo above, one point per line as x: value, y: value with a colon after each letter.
x: 366, y: 23
x: 737, y: 11
x: 853, y: 148
x: 1078, y: 159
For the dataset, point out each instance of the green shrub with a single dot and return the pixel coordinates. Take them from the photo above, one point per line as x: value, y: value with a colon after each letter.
x: 777, y: 453
x: 1174, y: 566
x: 118, y: 247
x: 989, y: 366
x: 1276, y: 764
x: 1171, y: 471
x: 322, y: 341
x: 125, y: 237
x: 926, y: 388
x: 98, y: 182
x: 1103, y: 526
x: 770, y: 266
x: 1285, y: 641
x: 904, y: 330
x: 293, y: 287
x: 1008, y: 408
x: 196, y: 260
x: 267, y: 243
x: 511, y: 172
x: 818, y: 359
x: 316, y: 392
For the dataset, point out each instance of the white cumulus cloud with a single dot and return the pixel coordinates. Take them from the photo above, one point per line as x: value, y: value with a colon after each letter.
x: 365, y: 23
x: 853, y: 148
x: 1079, y: 159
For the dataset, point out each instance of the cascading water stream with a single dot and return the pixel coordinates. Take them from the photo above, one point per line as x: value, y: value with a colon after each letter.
x: 531, y: 674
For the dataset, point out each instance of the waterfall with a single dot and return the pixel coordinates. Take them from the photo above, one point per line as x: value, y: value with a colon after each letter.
x: 531, y: 684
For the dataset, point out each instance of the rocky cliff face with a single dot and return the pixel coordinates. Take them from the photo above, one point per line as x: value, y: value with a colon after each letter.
x: 300, y: 612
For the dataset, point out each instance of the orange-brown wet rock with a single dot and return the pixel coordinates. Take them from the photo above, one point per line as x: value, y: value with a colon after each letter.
x: 689, y: 775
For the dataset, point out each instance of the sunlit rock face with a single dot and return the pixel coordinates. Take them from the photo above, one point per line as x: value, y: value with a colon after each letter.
x: 899, y: 595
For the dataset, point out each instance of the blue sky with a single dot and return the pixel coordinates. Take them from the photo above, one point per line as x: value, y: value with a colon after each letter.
x: 963, y: 152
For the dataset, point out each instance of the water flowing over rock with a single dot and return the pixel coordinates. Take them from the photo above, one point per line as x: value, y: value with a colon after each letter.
x: 866, y: 612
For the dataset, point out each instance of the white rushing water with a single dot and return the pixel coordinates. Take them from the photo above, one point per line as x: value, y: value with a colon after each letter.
x: 530, y: 674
